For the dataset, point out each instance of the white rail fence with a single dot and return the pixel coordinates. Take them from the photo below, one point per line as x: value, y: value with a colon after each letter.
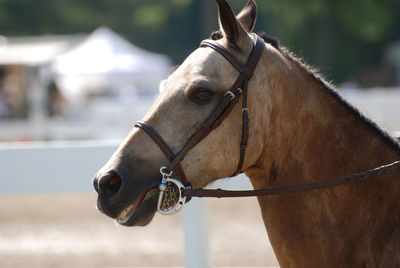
x: 49, y: 167
x: 43, y: 167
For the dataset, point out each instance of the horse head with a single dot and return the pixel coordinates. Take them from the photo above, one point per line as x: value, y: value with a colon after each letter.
x: 127, y: 185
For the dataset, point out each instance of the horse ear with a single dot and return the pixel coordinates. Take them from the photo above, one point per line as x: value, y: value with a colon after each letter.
x: 247, y: 16
x: 231, y: 26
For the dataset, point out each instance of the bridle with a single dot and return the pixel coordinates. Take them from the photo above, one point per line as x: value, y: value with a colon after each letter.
x: 174, y: 193
x: 222, y: 110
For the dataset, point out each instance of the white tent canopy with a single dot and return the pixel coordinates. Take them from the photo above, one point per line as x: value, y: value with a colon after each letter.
x: 34, y: 50
x: 105, y: 61
x: 105, y: 52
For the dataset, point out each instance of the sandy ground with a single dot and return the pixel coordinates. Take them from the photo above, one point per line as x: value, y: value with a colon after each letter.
x: 65, y: 230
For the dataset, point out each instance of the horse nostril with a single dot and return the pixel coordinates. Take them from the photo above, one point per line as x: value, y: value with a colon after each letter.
x: 114, y: 183
x: 110, y: 184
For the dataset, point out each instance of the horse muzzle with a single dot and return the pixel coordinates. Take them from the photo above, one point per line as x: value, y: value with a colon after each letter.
x: 121, y: 199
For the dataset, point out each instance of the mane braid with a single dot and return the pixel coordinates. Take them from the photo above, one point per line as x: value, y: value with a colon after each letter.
x: 313, y: 73
x: 270, y: 40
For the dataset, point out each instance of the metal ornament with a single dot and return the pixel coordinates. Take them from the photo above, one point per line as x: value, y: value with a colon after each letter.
x: 170, y: 199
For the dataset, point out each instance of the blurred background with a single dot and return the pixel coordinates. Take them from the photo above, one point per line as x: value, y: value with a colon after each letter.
x: 75, y: 75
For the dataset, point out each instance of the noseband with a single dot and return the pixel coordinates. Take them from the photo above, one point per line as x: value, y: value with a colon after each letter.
x: 222, y: 110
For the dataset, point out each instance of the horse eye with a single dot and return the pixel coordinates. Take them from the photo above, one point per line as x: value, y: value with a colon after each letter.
x: 202, y: 95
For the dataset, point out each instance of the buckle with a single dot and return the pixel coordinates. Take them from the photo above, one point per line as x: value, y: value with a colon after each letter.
x: 170, y: 198
x: 231, y: 94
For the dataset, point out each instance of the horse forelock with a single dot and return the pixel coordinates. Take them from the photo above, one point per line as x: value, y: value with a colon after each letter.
x: 217, y: 35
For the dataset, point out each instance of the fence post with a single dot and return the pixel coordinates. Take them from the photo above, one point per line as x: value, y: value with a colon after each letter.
x: 197, y: 245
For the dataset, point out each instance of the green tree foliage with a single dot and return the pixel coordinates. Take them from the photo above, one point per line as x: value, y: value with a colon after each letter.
x: 341, y: 37
x: 160, y: 25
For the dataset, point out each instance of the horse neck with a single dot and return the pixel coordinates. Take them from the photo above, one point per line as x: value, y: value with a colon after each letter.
x: 311, y: 133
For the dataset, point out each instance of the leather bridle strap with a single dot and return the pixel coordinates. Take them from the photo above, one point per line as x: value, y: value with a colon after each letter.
x: 298, y: 188
x: 243, y: 69
x: 246, y: 72
x: 221, y: 111
x: 163, y: 146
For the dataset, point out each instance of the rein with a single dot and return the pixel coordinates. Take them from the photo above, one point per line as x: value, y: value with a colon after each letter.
x: 174, y: 193
x: 298, y: 188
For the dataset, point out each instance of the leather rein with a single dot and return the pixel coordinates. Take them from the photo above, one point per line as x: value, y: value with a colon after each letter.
x: 174, y: 193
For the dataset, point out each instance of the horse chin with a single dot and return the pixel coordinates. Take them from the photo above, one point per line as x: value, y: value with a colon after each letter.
x: 143, y: 213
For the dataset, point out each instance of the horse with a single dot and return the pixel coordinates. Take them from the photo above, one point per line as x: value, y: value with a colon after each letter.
x: 300, y: 130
